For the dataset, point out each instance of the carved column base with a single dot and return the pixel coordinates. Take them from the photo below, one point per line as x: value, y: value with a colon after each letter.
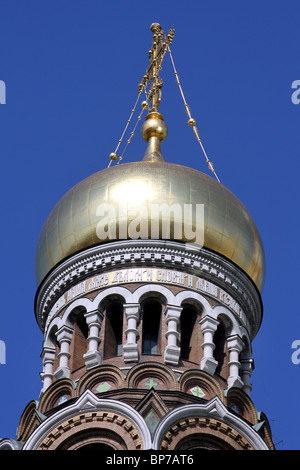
x: 235, y: 381
x: 62, y: 372
x: 172, y: 354
x: 209, y: 364
x: 131, y: 353
x: 92, y: 359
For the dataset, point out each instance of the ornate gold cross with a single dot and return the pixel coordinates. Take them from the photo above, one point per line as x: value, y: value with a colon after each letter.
x: 156, y: 56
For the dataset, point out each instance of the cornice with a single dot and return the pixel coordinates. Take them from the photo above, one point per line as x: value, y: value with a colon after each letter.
x: 150, y: 253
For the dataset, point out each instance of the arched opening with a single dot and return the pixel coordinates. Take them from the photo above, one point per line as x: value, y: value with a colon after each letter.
x: 151, y: 344
x: 220, y: 351
x: 78, y: 345
x: 54, y: 343
x: 96, y: 446
x: 201, y: 441
x: 189, y: 333
x: 93, y: 439
x: 113, y: 340
x: 191, y: 336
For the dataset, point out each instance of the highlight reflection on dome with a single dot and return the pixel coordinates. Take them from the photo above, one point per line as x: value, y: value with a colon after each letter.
x: 229, y: 228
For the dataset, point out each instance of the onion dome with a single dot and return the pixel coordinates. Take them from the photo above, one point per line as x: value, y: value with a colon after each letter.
x: 73, y: 224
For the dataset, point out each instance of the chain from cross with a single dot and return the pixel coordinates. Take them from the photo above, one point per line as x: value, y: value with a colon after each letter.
x: 156, y: 56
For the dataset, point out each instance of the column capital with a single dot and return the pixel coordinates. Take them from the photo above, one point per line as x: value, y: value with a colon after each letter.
x: 173, y: 311
x: 208, y: 323
x: 64, y: 333
x: 133, y: 306
x: 132, y: 310
x: 94, y: 316
x: 48, y: 354
x: 235, y: 342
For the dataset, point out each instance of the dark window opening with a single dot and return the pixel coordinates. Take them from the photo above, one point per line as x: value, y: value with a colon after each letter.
x: 113, y: 342
x: 82, y: 326
x: 78, y: 345
x: 151, y: 327
x: 187, y: 322
x: 220, y: 343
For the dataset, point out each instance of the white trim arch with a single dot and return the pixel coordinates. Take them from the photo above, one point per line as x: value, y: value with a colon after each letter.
x: 101, y: 302
x: 10, y: 444
x: 48, y: 342
x: 82, y: 302
x: 222, y: 311
x: 239, y: 349
x: 224, y: 315
x: 112, y: 291
x: 214, y: 408
x: 88, y: 402
x: 48, y: 353
x: 141, y: 293
x: 195, y: 299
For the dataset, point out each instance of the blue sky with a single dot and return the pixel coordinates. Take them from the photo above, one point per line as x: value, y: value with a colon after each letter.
x: 71, y: 70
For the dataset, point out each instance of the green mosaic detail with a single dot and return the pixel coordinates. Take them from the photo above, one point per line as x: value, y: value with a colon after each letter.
x: 197, y: 392
x: 103, y: 387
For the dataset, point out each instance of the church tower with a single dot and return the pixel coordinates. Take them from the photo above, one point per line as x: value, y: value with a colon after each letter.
x: 149, y: 281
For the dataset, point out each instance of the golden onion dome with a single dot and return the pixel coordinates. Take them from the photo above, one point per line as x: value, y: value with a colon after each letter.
x: 73, y: 224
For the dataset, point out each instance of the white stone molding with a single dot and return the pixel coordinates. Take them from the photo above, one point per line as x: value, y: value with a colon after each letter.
x: 247, y: 366
x: 82, y: 302
x: 92, y: 357
x: 88, y: 402
x: 49, y: 338
x: 171, y: 255
x: 208, y: 328
x: 116, y: 291
x: 194, y: 298
x: 172, y: 351
x: 132, y: 314
x: 155, y: 290
x: 48, y: 356
x: 231, y: 323
x: 10, y: 444
x: 214, y: 408
x: 64, y: 336
x: 235, y: 346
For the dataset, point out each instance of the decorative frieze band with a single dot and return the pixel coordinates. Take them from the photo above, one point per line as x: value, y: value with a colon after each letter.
x: 148, y: 275
x: 182, y: 265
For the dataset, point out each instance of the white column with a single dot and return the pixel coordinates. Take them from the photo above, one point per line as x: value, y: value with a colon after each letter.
x: 172, y: 351
x: 247, y: 366
x: 208, y: 328
x: 92, y: 357
x: 48, y: 356
x: 132, y: 314
x: 235, y: 346
x: 64, y: 336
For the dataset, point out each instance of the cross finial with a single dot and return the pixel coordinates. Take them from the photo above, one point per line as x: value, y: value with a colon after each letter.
x: 157, y: 53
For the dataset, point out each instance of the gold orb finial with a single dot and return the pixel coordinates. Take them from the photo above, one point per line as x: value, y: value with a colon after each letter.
x: 155, y: 27
x: 154, y: 126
